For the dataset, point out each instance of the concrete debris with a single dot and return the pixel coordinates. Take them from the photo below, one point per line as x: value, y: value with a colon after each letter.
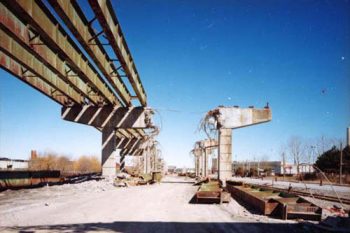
x: 123, y: 175
x: 126, y: 180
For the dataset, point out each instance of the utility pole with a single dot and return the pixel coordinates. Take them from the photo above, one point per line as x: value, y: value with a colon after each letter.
x: 341, y: 164
x: 284, y: 165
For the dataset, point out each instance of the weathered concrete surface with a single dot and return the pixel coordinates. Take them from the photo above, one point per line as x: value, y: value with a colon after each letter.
x: 100, y: 207
x: 228, y: 118
x: 205, y: 164
x: 232, y: 118
x: 197, y: 152
x: 225, y: 155
x: 108, y: 149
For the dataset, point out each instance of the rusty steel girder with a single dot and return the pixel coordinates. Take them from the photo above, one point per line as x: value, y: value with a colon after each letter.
x: 77, y: 23
x: 34, y: 45
x: 84, y: 79
x: 18, y: 71
x: 111, y: 27
x: 14, y: 50
x: 36, y: 15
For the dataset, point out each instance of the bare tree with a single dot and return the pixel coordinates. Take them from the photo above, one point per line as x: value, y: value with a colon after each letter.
x: 297, y: 151
x: 263, y: 162
x: 87, y: 164
x: 63, y: 164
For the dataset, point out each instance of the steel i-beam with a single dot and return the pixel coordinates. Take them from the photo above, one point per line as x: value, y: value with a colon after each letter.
x: 23, y: 74
x: 111, y: 27
x: 31, y: 43
x: 38, y: 17
x: 85, y: 34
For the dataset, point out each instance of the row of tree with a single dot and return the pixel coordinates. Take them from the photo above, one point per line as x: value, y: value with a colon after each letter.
x: 330, y: 160
x: 323, y: 152
x: 52, y: 161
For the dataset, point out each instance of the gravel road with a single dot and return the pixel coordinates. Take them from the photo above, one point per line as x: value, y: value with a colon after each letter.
x: 99, y: 207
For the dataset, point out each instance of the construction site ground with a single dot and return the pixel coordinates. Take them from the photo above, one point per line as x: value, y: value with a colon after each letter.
x: 98, y: 206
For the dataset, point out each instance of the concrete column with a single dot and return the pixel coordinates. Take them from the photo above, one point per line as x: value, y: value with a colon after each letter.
x: 108, y: 147
x: 147, y: 161
x: 200, y: 165
x: 141, y: 163
x: 208, y: 152
x: 225, y: 155
x: 144, y: 161
x: 154, y: 162
x: 203, y: 164
x: 196, y: 161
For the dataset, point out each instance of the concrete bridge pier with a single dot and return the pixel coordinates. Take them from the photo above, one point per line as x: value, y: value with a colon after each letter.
x: 108, y: 152
x: 205, y: 163
x: 147, y: 161
x: 197, y: 167
x: 227, y: 119
x: 225, y: 155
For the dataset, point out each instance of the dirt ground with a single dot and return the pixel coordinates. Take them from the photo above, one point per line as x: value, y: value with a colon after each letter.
x: 99, y: 207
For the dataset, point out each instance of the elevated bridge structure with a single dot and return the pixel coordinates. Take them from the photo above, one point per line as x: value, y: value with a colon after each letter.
x: 223, y: 120
x: 201, y: 151
x: 55, y: 48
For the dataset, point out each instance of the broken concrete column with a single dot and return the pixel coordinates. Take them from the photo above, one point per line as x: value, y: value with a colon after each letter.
x: 225, y: 155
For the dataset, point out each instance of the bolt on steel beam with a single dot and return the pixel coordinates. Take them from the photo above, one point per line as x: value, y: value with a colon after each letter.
x: 17, y: 70
x: 77, y: 23
x: 110, y: 25
x: 36, y: 15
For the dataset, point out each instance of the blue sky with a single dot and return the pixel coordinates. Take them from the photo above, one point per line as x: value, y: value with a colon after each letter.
x: 193, y: 56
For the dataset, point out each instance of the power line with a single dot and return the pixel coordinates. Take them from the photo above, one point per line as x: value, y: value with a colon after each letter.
x: 180, y: 111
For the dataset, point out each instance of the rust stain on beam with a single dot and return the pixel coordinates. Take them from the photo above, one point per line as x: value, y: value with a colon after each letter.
x: 34, y: 45
x: 111, y: 27
x: 17, y: 69
x: 20, y: 55
x: 56, y: 38
x: 74, y: 18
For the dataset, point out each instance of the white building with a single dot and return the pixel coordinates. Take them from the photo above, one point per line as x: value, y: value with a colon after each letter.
x: 13, y: 164
x: 275, y: 167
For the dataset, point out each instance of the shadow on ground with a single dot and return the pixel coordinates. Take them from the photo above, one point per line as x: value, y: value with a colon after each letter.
x: 168, y: 227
